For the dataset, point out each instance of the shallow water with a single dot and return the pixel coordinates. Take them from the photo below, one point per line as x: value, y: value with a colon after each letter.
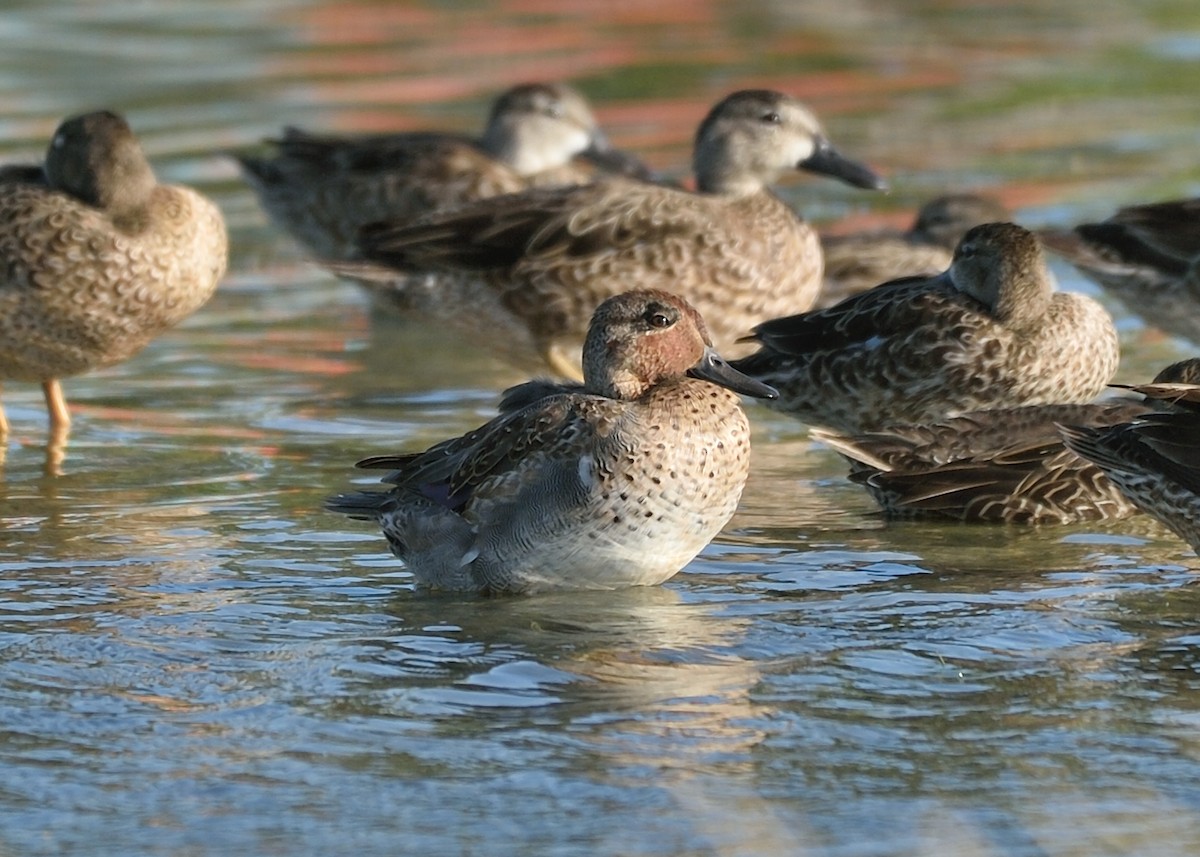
x: 198, y: 660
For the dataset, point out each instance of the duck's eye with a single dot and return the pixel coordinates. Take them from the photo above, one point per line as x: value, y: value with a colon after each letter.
x: 554, y: 110
x: 656, y: 318
x: 772, y: 118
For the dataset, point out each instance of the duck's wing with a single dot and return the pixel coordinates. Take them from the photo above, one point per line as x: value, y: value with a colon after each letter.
x: 1002, y: 435
x: 899, y: 306
x: 1162, y: 445
x: 541, y: 228
x: 1032, y: 482
x: 433, y: 169
x: 522, y: 395
x: 856, y: 263
x: 370, y: 153
x: 1183, y: 397
x: 1162, y: 237
x: 553, y: 430
x: 1168, y: 229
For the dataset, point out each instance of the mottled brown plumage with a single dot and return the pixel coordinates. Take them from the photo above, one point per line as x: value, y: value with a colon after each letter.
x: 1155, y: 459
x: 619, y: 483
x: 1148, y: 256
x: 989, y: 333
x: 521, y: 274
x: 98, y: 258
x: 1006, y: 465
x: 323, y: 188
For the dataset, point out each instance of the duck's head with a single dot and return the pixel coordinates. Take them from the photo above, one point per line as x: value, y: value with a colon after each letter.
x: 640, y: 339
x: 752, y: 137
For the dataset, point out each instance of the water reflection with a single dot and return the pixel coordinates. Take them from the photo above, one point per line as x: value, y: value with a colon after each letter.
x: 626, y: 650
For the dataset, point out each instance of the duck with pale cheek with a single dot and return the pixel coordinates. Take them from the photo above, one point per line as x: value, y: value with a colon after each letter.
x: 96, y: 257
x: 620, y: 482
x: 322, y: 189
x: 521, y: 275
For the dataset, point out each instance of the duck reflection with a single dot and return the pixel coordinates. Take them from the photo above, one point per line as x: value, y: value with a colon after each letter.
x: 641, y: 676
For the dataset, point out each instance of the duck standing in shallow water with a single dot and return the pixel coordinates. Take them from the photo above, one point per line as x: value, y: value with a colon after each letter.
x: 1148, y: 256
x: 96, y: 257
x: 522, y: 274
x: 620, y: 483
x: 990, y: 332
x: 1155, y: 459
x: 323, y: 189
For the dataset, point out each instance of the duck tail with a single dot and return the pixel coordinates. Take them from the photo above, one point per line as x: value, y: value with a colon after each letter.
x: 361, y: 505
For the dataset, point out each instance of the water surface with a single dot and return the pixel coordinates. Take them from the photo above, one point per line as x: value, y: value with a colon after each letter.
x: 198, y: 660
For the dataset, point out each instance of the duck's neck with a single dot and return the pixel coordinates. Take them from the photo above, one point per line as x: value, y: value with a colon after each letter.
x: 722, y: 169
x: 532, y: 148
x: 725, y: 185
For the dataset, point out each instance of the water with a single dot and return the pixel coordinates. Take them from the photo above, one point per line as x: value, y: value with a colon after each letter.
x: 198, y: 660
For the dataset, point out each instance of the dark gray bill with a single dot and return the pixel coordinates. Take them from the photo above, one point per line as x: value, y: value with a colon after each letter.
x: 713, y: 368
x: 828, y: 161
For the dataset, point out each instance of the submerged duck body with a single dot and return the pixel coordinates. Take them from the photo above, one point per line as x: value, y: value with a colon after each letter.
x: 98, y: 257
x: 618, y: 483
x: 990, y: 332
x: 1148, y: 256
x: 540, y: 262
x: 322, y: 189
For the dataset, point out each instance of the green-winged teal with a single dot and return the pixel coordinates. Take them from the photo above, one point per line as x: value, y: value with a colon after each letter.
x: 1154, y: 459
x: 620, y: 483
x: 1005, y: 465
x: 855, y: 262
x: 322, y: 189
x: 1148, y: 256
x: 98, y: 257
x: 521, y: 274
x: 990, y: 332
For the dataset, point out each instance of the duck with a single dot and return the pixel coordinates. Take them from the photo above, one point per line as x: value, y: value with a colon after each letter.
x: 1154, y: 459
x: 521, y: 274
x: 989, y: 332
x: 857, y: 261
x: 1147, y: 256
x: 1006, y: 465
x: 322, y: 188
x: 618, y: 483
x: 98, y: 258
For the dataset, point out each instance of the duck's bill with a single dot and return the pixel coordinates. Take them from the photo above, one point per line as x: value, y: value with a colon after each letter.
x: 826, y: 160
x: 713, y: 368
